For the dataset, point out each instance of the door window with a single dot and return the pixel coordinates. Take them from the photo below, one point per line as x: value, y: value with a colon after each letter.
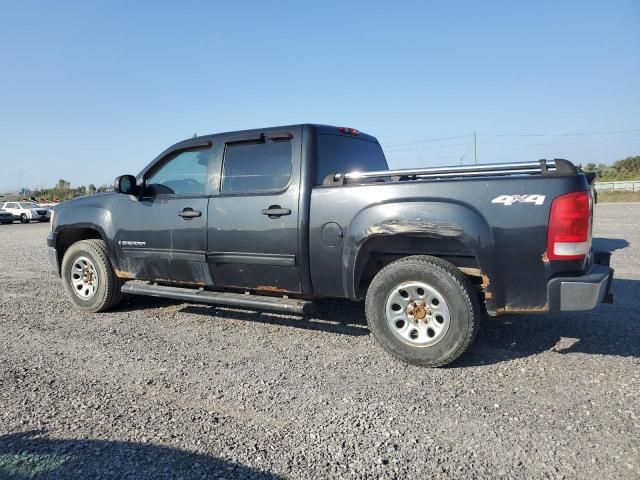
x: 257, y: 167
x: 184, y: 174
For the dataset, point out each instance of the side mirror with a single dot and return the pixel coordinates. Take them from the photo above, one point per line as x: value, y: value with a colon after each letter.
x: 126, y: 184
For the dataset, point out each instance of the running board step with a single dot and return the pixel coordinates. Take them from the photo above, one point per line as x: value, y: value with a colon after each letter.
x: 258, y: 302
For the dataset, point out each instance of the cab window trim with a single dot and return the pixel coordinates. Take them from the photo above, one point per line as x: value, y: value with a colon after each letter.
x: 256, y: 141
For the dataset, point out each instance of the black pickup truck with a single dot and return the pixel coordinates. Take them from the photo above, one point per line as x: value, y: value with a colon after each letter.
x: 273, y: 218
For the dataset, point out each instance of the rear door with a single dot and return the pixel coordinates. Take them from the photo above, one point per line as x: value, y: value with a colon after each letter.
x: 253, y: 219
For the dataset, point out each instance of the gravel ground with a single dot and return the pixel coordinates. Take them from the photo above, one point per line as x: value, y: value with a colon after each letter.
x: 163, y: 389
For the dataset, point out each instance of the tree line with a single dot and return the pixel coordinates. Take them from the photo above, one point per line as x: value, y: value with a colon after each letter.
x: 62, y: 191
x: 625, y: 169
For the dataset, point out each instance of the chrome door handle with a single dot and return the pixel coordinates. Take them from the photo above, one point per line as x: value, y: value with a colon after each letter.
x: 189, y: 213
x: 275, y: 211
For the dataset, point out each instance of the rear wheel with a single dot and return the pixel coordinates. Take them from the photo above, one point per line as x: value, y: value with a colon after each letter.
x: 423, y: 310
x: 88, y: 276
x: 23, y: 218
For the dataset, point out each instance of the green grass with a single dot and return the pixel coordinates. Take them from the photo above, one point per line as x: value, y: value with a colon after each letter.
x: 621, y: 196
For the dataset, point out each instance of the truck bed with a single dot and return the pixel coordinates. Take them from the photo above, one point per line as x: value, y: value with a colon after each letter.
x: 490, y: 220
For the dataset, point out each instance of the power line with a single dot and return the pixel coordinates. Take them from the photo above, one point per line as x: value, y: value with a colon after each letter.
x: 424, y: 148
x: 564, y: 143
x: 465, y: 152
x: 558, y: 134
x: 439, y: 157
x: 475, y: 148
x: 401, y: 159
x: 411, y: 142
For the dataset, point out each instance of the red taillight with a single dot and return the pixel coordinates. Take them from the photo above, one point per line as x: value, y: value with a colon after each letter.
x: 569, y: 236
x: 348, y: 131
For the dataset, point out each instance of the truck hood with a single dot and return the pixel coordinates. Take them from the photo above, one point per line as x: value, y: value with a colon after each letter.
x: 97, y: 199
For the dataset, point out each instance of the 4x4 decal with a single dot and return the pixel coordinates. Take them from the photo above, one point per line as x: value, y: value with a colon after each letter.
x: 509, y: 200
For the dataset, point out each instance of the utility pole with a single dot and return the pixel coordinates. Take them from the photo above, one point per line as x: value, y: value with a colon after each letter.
x: 475, y: 148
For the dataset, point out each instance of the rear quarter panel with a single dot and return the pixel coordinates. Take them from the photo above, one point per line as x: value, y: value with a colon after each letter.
x: 508, y: 241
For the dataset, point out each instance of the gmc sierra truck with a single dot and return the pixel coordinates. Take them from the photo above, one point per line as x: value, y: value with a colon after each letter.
x: 274, y: 218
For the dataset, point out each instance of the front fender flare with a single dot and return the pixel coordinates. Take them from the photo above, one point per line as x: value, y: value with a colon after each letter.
x: 91, y: 217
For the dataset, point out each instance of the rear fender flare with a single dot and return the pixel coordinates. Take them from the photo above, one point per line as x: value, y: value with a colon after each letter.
x: 433, y: 219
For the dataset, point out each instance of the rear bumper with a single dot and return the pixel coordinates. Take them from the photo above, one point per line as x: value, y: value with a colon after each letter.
x: 582, y: 292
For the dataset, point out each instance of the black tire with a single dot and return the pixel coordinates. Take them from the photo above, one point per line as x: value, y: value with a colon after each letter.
x: 460, y: 298
x: 107, y: 294
x: 23, y: 218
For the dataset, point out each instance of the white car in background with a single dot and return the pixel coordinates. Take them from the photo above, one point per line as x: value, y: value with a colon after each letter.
x: 27, y: 211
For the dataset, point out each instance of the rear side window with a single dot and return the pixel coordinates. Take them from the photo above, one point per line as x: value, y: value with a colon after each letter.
x: 184, y: 174
x: 342, y: 154
x: 257, y: 167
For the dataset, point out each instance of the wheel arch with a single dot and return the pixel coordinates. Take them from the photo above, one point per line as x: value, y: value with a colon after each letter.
x: 379, y: 251
x: 83, y: 219
x: 65, y: 237
x: 384, y: 233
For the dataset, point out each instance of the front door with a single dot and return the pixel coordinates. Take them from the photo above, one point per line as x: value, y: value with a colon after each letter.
x: 253, y: 220
x: 162, y: 235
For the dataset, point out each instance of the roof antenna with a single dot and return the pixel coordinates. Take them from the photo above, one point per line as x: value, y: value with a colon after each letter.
x: 195, y: 135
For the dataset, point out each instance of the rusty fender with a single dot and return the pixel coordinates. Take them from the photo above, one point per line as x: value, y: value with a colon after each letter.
x: 394, y: 227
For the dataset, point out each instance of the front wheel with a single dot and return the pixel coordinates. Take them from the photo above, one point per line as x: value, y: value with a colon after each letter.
x: 423, y: 310
x: 88, y: 276
x: 24, y: 218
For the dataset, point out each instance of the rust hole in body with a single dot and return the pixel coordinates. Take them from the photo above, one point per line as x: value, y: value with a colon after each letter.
x: 485, y: 286
x: 124, y: 275
x: 269, y: 288
x: 525, y: 309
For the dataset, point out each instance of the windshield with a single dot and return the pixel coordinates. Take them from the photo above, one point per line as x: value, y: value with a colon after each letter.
x: 28, y: 205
